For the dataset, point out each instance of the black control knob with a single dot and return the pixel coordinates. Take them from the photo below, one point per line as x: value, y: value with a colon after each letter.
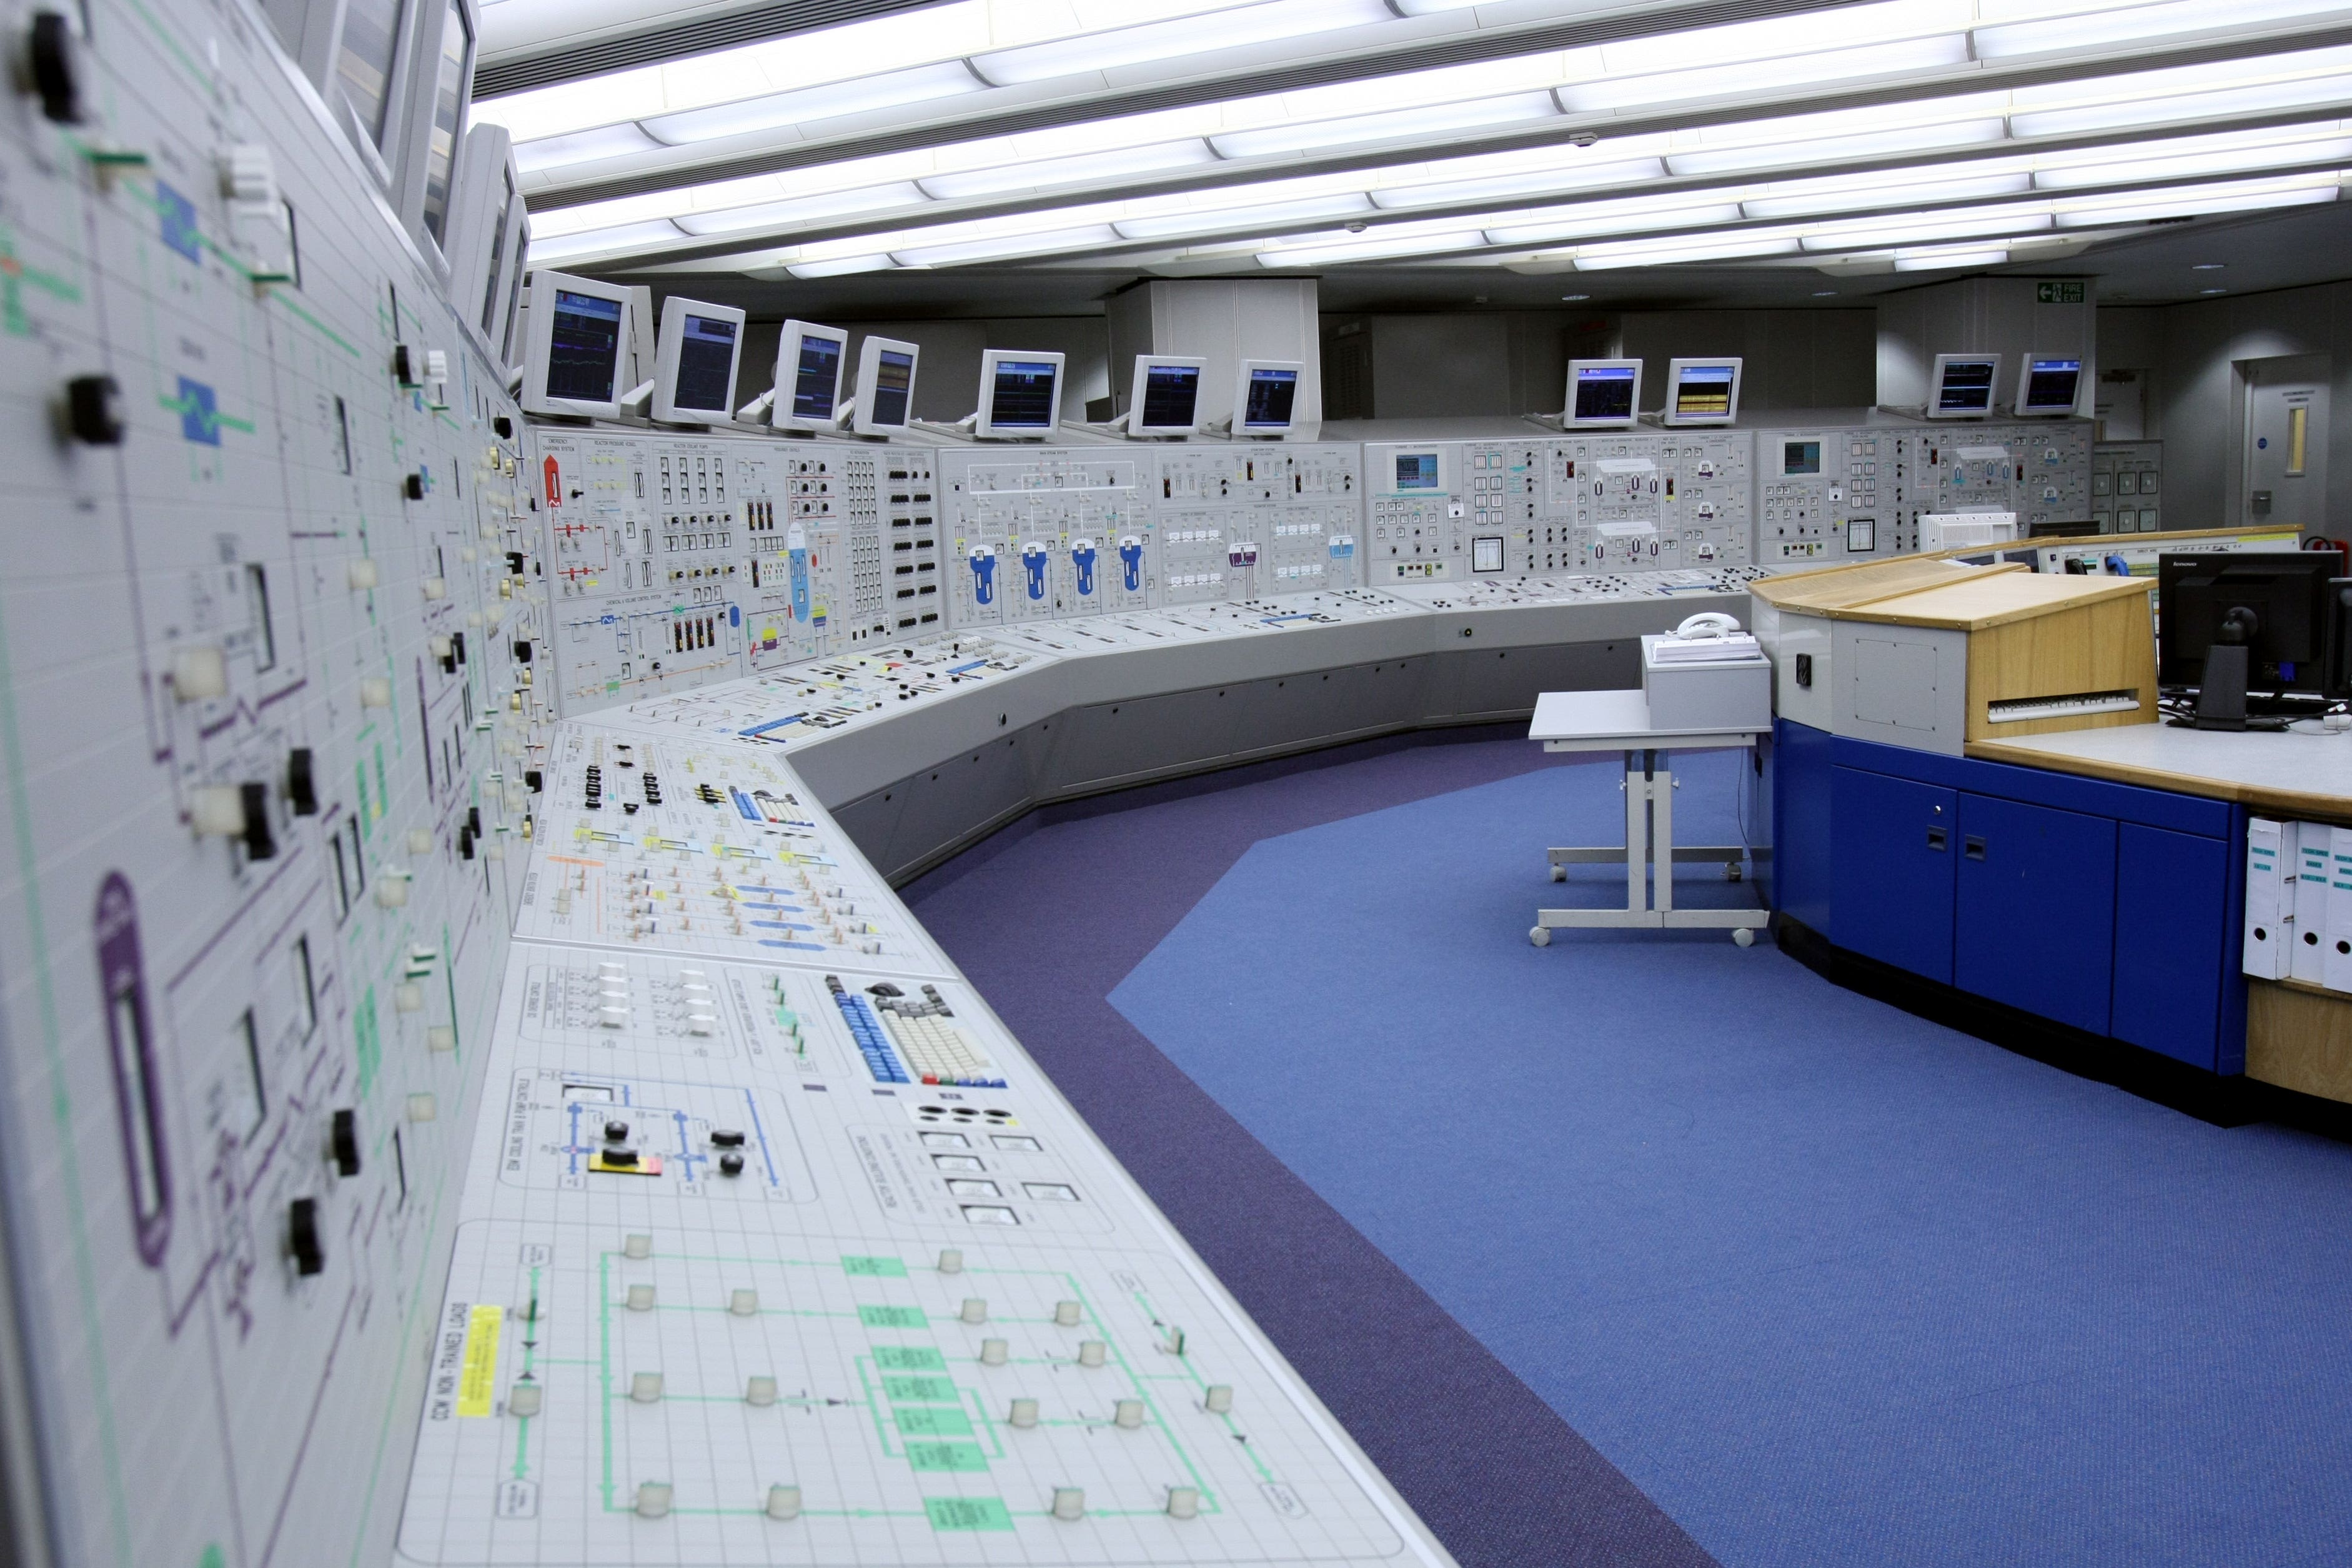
x: 94, y: 410
x: 731, y: 1164
x: 56, y: 60
x: 726, y: 1138
x: 259, y: 843
x: 504, y: 426
x: 302, y: 1236
x: 413, y: 486
x: 344, y: 1140
x: 301, y: 782
x: 617, y: 1131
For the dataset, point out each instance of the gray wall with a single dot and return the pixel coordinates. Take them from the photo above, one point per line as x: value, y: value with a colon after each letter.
x: 1795, y: 359
x: 2194, y: 392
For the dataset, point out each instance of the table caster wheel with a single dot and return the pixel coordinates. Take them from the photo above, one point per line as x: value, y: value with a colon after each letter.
x: 1743, y: 936
x: 1539, y: 936
x: 1559, y: 873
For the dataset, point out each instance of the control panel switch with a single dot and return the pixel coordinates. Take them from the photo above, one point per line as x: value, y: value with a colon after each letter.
x: 760, y: 1391
x: 343, y: 1142
x: 53, y: 55
x: 94, y: 411
x: 302, y: 781
x: 525, y: 1399
x: 784, y: 1502
x: 302, y: 1236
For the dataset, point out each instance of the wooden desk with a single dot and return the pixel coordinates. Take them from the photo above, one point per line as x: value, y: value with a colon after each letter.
x: 2298, y: 1036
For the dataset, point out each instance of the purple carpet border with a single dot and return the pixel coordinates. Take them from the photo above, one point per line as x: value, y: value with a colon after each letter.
x: 1048, y: 916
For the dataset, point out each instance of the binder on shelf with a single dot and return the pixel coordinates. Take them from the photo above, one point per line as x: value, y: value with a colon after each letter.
x: 2336, y: 955
x: 2269, y: 899
x: 2311, y: 864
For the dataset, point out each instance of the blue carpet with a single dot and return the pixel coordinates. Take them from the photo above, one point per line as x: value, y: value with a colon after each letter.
x: 1831, y: 1285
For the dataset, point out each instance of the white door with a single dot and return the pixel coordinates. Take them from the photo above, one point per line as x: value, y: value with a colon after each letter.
x: 2286, y: 442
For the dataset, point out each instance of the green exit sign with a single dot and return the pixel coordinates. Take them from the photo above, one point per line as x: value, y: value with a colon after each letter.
x: 2058, y: 291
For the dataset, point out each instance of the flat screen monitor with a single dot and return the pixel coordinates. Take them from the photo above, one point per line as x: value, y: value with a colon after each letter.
x: 1265, y: 397
x: 695, y: 361
x: 576, y: 346
x: 2293, y: 599
x: 1702, y: 392
x: 2048, y: 385
x: 1962, y: 386
x: 1800, y: 458
x: 1165, y: 399
x: 885, y: 387
x: 809, y: 364
x: 1602, y: 393
x: 1417, y: 471
x: 1020, y: 393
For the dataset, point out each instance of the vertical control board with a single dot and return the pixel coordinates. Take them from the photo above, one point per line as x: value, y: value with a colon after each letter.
x: 2127, y: 485
x: 2040, y: 470
x: 1834, y: 494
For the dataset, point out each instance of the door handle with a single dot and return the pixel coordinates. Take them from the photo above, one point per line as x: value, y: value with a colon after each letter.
x: 1972, y: 846
x: 1938, y: 838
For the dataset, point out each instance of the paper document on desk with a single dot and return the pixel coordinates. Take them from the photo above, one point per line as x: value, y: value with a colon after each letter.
x: 2269, y: 899
x: 1705, y: 650
x: 2336, y: 947
x: 2311, y: 864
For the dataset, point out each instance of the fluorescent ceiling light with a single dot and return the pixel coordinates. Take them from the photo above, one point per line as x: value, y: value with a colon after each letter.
x: 1766, y: 75
x: 2113, y: 26
x: 1562, y: 176
x: 1230, y: 28
x: 1692, y: 248
x: 1944, y: 260
x: 1567, y: 223
x: 586, y: 147
x: 602, y: 241
x: 1836, y: 149
x: 1046, y: 173
x: 1086, y: 237
x: 1268, y: 214
x: 2182, y: 93
x: 2116, y: 166
x: 840, y: 266
x: 1346, y: 249
x: 2197, y: 201
x: 1974, y: 223
x: 805, y: 210
x: 1883, y: 188
x: 1394, y: 125
x: 894, y: 90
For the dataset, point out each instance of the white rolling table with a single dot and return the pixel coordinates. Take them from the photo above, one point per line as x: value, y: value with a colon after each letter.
x: 1620, y: 721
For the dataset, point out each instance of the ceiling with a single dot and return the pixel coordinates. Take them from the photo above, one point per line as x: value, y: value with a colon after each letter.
x: 1030, y: 156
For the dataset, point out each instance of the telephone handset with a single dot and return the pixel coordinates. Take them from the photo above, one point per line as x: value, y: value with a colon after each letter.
x: 1706, y: 626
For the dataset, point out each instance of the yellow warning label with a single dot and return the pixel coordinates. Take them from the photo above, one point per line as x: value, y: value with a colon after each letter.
x: 479, y: 1379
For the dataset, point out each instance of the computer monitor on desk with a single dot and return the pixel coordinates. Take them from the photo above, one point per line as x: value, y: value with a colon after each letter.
x: 2270, y: 622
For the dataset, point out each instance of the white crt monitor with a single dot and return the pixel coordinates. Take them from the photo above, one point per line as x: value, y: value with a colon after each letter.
x: 2048, y: 385
x: 884, y: 399
x: 809, y: 364
x: 576, y: 346
x: 1265, y: 397
x: 1702, y: 392
x: 695, y: 361
x: 1165, y: 399
x: 1962, y: 386
x: 1603, y: 395
x: 1020, y: 393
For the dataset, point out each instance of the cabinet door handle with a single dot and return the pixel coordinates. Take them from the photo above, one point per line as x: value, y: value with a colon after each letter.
x: 1972, y: 846
x: 1938, y: 838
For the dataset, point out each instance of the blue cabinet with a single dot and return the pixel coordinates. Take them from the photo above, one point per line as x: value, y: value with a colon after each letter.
x: 2035, y: 900
x: 1891, y: 887
x: 2112, y: 907
x: 2176, y: 944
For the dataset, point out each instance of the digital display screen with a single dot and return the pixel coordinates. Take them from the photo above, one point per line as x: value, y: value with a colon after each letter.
x: 1704, y: 391
x: 1604, y: 392
x: 1416, y: 470
x: 1966, y: 386
x: 583, y: 354
x: 1801, y: 458
x: 1271, y: 393
x: 441, y: 150
x: 705, y: 365
x: 2051, y: 384
x: 1171, y: 392
x: 816, y: 378
x: 1023, y: 397
x: 894, y: 384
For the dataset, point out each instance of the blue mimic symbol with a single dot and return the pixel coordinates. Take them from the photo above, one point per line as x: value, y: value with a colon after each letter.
x: 1032, y: 561
x: 796, y: 541
x: 1082, y: 556
x: 1131, y: 561
x: 984, y: 575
